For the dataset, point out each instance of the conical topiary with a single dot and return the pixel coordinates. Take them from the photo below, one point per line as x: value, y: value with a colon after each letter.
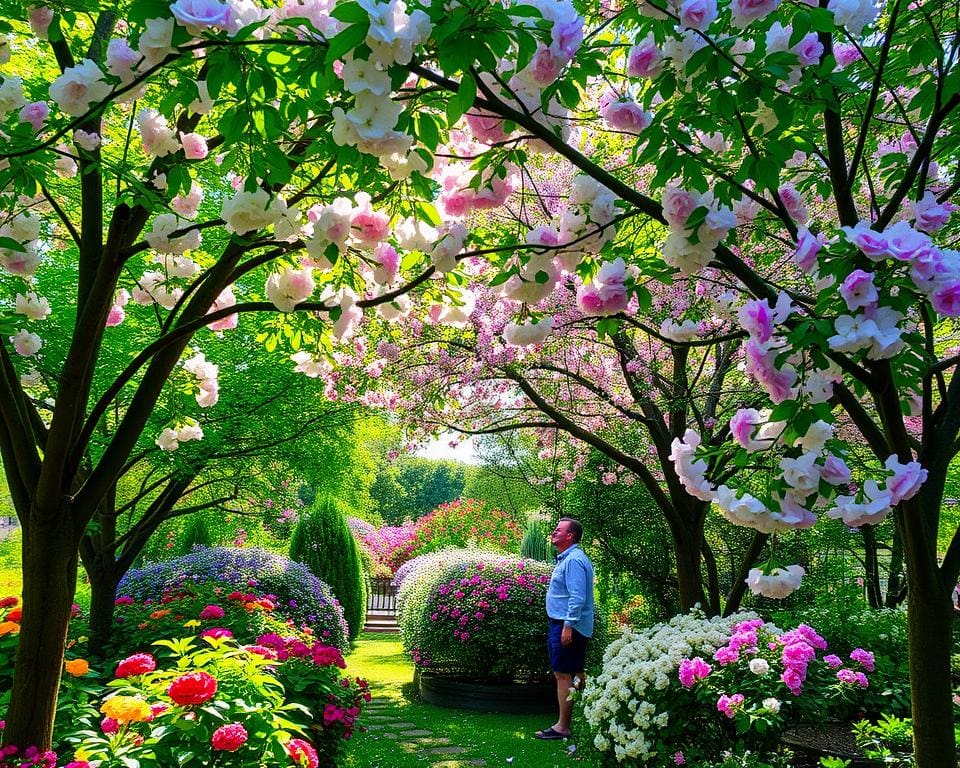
x: 534, y: 544
x: 322, y: 541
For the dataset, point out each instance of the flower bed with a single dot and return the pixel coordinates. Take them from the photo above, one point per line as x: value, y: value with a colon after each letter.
x: 299, y: 594
x: 464, y: 523
x: 694, y: 686
x: 273, y: 700
x: 481, y: 620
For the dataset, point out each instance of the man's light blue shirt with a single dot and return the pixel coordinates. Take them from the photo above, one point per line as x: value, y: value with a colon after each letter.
x: 570, y: 594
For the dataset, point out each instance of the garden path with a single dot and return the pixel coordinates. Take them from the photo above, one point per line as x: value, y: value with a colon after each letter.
x: 403, y: 732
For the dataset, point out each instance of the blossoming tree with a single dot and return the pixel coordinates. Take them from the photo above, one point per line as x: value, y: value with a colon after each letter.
x: 823, y: 130
x: 636, y: 387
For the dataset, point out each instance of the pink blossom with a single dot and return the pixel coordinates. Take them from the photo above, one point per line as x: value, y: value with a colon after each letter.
x: 115, y: 316
x: 809, y: 49
x: 197, y: 15
x: 745, y: 11
x: 835, y: 471
x: 645, y: 59
x: 730, y: 704
x: 858, y: 290
x: 930, y: 215
x: 906, y: 481
x: 833, y: 661
x: 678, y: 204
x: 946, y: 300
x: 627, y: 116
x: 864, y: 658
x: 35, y: 113
x: 698, y: 14
x: 692, y: 670
x: 808, y: 246
x: 194, y: 146
x: 486, y: 127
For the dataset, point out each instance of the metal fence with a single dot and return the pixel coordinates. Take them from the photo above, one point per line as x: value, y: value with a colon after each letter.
x: 381, y: 596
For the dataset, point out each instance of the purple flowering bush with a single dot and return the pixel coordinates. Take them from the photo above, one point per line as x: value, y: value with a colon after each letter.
x: 299, y: 594
x: 391, y: 546
x: 481, y: 620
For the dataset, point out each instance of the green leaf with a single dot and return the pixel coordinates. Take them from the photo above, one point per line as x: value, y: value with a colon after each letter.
x: 347, y: 40
x: 351, y: 13
x: 9, y: 244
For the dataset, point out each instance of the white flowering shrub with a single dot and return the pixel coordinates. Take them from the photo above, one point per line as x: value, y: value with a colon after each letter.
x: 636, y: 708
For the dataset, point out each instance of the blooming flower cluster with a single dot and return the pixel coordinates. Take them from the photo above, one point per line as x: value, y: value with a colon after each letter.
x: 283, y: 586
x: 463, y: 523
x: 455, y: 618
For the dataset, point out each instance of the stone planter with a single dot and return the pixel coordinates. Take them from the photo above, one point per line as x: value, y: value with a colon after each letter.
x: 512, y: 698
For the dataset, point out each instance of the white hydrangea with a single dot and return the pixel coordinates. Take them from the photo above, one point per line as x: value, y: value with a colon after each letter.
x: 629, y: 702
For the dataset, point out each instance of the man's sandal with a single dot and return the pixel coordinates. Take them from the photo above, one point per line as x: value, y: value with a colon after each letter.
x: 548, y: 734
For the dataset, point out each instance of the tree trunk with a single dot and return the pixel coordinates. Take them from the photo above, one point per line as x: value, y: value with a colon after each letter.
x: 49, y: 582
x: 872, y: 563
x: 103, y: 593
x: 930, y: 616
x: 686, y: 551
x: 895, y: 592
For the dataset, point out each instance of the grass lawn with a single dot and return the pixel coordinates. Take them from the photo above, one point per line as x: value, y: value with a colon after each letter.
x: 499, y: 740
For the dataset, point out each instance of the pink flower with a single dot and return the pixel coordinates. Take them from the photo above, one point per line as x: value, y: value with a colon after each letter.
x: 946, y: 300
x: 809, y: 49
x: 858, y: 290
x: 302, y: 753
x: 35, y: 113
x: 645, y: 59
x: 808, y: 246
x: 197, y: 15
x: 485, y: 127
x: 137, y: 664
x: 108, y: 725
x: 194, y: 146
x: 212, y: 612
x: 678, y: 758
x: 192, y: 688
x: 930, y: 215
x: 906, y: 481
x: 692, y: 670
x: 698, y: 14
x: 730, y: 704
x: 745, y: 11
x: 229, y: 738
x: 627, y: 116
x: 678, y: 204
x: 833, y: 661
x: 864, y: 658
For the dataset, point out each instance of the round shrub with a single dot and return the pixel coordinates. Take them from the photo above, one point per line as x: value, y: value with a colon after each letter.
x: 323, y: 542
x: 300, y: 595
x: 464, y: 523
x: 481, y: 620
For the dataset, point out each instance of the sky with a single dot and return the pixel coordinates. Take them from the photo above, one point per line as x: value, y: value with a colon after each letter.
x: 440, y: 449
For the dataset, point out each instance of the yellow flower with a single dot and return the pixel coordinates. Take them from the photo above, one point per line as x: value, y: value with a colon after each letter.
x: 8, y: 627
x: 192, y: 623
x: 77, y: 667
x: 127, y: 709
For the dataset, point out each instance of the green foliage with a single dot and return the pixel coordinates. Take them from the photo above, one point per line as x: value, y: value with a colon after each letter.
x: 890, y: 739
x: 323, y: 542
x: 534, y: 545
x: 631, y: 549
x: 409, y: 488
x: 497, y: 488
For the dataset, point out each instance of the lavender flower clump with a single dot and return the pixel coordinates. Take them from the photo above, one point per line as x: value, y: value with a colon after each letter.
x: 300, y: 595
x: 359, y: 527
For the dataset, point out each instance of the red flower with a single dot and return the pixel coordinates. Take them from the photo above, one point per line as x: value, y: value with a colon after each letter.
x: 302, y: 753
x: 211, y: 612
x: 229, y: 738
x: 138, y: 664
x: 192, y: 688
x: 15, y: 615
x: 8, y: 601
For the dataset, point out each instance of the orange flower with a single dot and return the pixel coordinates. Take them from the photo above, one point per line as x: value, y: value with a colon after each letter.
x: 9, y: 627
x: 77, y: 667
x: 160, y: 614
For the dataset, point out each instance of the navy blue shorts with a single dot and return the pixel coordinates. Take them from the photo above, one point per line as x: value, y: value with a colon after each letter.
x: 566, y: 658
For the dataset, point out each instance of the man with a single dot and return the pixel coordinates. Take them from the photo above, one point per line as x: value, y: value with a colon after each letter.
x: 570, y: 616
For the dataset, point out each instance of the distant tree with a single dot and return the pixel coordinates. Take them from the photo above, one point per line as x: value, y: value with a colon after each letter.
x: 412, y: 486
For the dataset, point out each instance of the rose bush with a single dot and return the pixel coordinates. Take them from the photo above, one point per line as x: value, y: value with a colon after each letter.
x: 297, y: 594
x: 482, y: 620
x: 463, y: 523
